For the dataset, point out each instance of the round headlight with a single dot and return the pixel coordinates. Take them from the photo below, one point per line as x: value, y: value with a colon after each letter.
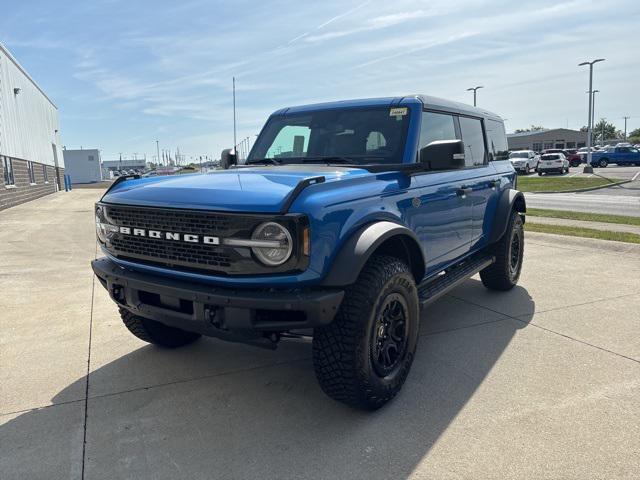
x: 277, y: 243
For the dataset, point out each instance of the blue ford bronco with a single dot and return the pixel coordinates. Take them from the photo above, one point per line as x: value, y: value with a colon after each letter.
x: 345, y: 220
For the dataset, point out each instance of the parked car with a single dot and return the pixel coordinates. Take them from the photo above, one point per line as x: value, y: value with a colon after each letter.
x: 574, y: 158
x: 617, y: 155
x: 553, y: 162
x: 345, y: 220
x: 524, y: 161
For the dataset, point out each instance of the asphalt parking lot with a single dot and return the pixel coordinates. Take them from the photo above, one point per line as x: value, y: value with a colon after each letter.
x: 539, y: 382
x: 621, y: 199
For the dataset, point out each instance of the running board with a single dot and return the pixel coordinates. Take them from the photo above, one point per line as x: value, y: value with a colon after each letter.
x: 432, y: 289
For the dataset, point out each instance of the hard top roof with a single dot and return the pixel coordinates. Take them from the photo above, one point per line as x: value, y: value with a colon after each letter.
x: 428, y: 101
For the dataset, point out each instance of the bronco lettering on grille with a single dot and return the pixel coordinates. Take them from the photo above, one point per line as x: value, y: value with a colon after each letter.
x: 176, y: 236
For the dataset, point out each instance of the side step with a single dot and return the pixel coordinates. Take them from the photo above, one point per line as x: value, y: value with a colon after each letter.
x: 432, y: 289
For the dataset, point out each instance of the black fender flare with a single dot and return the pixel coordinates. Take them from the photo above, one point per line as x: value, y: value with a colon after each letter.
x: 509, y: 199
x: 357, y: 250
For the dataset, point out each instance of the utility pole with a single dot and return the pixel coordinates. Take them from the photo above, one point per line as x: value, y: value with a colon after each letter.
x: 158, y: 150
x: 588, y: 168
x: 625, y: 127
x: 474, y: 90
x: 234, y: 113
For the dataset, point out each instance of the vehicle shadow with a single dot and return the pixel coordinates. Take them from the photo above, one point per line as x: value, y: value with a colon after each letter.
x: 264, y: 420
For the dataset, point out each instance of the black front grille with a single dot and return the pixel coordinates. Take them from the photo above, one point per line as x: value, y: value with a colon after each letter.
x: 190, y: 256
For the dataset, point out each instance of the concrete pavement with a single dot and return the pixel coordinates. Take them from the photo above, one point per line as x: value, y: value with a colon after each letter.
x: 539, y: 382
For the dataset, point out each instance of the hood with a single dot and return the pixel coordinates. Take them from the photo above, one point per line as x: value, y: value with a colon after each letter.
x: 253, y: 190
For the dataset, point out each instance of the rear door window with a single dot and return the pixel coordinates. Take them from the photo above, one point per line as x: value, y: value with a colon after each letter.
x: 473, y: 139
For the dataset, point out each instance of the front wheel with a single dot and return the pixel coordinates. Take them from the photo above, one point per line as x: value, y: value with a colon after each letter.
x: 364, y: 356
x: 603, y: 163
x: 504, y: 273
x: 539, y: 174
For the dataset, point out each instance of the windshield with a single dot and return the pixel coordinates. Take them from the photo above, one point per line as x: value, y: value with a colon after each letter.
x: 519, y: 155
x: 356, y: 136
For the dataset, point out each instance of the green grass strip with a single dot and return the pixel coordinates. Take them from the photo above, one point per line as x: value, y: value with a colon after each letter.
x: 587, y: 217
x: 550, y: 184
x: 583, y: 232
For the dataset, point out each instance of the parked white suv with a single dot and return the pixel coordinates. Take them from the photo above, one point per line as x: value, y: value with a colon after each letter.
x: 524, y: 160
x: 553, y: 162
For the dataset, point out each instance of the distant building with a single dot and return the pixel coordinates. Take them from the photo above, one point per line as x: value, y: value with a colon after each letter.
x: 31, y: 163
x: 83, y: 166
x: 545, y: 139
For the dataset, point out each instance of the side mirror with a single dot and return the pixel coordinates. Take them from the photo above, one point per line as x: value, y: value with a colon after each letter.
x: 443, y: 155
x: 228, y: 157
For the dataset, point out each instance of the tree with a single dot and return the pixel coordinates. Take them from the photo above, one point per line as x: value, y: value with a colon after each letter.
x: 609, y: 130
x: 635, y: 133
x: 532, y: 128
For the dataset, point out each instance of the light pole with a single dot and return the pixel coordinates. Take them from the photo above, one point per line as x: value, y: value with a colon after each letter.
x: 474, y: 90
x: 593, y: 109
x: 588, y: 168
x: 625, y: 127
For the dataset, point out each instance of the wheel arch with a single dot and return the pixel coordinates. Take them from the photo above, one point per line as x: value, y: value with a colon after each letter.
x: 510, y: 200
x: 379, y: 237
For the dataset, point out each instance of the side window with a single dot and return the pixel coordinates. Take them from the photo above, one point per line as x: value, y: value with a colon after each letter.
x: 497, y: 140
x: 291, y: 141
x: 436, y: 126
x: 473, y: 139
x: 45, y: 174
x: 7, y: 167
x: 32, y: 174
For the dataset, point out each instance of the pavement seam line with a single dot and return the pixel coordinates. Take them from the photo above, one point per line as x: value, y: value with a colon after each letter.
x: 196, y: 379
x: 558, y: 333
x: 86, y: 391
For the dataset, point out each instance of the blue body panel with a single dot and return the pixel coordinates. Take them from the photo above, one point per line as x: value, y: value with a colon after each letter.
x: 617, y: 155
x: 449, y: 226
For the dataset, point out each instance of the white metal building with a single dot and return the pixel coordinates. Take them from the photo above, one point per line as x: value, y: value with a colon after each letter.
x: 31, y: 163
x: 83, y: 166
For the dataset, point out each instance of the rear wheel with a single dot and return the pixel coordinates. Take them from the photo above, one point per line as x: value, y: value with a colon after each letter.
x: 504, y: 273
x: 363, y: 357
x: 539, y: 174
x: 603, y: 163
x: 155, y: 332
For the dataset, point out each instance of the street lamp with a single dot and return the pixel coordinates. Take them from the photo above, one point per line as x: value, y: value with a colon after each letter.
x: 474, y: 90
x: 588, y: 168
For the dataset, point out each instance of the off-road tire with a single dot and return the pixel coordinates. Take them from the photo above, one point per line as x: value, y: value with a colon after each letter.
x: 155, y: 332
x: 344, y: 351
x: 501, y: 275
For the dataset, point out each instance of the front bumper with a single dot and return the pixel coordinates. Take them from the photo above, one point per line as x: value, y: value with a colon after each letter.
x: 231, y: 314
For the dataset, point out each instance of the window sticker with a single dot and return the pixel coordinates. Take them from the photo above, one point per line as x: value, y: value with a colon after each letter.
x: 398, y: 112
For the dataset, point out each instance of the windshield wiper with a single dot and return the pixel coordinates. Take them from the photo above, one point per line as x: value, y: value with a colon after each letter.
x: 268, y: 161
x: 328, y: 159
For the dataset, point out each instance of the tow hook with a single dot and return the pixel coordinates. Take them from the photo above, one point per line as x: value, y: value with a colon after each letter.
x: 117, y: 293
x: 211, y: 314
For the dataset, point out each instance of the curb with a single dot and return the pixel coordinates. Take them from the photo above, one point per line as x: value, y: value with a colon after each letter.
x: 588, y: 189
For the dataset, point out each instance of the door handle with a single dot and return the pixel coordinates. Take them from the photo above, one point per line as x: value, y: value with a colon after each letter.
x: 463, y: 191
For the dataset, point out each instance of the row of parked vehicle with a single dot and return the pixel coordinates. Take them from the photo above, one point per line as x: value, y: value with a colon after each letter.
x: 548, y: 161
x: 559, y: 160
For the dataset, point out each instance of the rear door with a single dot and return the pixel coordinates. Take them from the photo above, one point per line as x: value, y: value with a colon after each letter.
x: 481, y: 176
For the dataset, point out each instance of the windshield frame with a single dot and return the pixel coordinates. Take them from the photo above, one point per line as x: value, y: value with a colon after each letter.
x: 407, y: 148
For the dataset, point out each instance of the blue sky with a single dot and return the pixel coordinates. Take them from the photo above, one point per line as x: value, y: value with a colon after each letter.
x: 125, y: 73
